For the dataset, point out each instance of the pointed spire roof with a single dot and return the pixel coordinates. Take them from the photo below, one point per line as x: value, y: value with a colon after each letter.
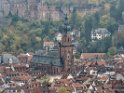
x: 66, y: 24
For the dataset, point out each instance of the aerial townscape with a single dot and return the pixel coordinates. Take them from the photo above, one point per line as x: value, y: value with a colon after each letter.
x: 61, y: 46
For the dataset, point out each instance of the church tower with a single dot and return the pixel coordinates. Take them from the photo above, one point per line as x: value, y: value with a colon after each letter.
x: 66, y: 48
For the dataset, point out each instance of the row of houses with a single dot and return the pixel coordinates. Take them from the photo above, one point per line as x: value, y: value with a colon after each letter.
x: 54, y: 68
x: 92, y: 73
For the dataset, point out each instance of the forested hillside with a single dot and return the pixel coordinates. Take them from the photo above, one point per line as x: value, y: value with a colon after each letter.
x: 24, y: 24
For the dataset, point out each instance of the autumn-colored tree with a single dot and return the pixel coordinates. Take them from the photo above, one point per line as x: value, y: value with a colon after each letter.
x: 63, y: 90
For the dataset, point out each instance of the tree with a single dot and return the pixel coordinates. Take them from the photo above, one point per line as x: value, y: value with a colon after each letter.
x: 104, y: 20
x: 2, y: 47
x: 112, y: 26
x: 63, y: 90
x: 116, y: 10
x: 120, y: 9
x: 120, y: 38
x: 88, y: 28
x: 96, y: 20
x: 75, y: 20
x: 77, y: 55
x: 112, y: 51
x: 107, y: 8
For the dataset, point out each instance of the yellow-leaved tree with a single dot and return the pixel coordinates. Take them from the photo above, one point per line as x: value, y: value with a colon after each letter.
x: 63, y: 90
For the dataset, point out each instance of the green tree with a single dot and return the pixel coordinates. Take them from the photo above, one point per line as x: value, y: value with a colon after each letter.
x: 96, y: 20
x: 120, y: 38
x: 116, y: 10
x: 88, y: 28
x: 112, y: 51
x: 75, y: 19
x: 2, y: 48
x: 104, y: 20
x: 112, y: 26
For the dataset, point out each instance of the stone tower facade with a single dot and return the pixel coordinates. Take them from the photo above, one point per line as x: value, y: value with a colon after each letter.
x: 66, y: 48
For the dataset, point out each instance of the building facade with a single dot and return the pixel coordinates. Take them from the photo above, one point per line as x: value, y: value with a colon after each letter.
x: 55, y: 61
x: 66, y: 49
x: 99, y: 34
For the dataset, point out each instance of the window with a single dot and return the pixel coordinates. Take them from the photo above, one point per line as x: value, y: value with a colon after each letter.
x: 68, y: 56
x: 68, y: 39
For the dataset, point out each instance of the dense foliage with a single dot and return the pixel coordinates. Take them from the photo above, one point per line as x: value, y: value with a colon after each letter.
x: 22, y: 35
x: 19, y: 35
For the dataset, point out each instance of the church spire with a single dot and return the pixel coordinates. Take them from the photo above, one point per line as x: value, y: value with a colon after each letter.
x: 66, y: 24
x: 66, y: 47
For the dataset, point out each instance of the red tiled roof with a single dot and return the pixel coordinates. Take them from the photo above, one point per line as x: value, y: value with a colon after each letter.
x: 91, y: 55
x: 103, y: 78
x: 2, y: 68
x: 33, y: 87
x: 29, y: 58
x: 79, y: 86
x: 19, y: 65
x: 95, y: 63
x: 22, y: 78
